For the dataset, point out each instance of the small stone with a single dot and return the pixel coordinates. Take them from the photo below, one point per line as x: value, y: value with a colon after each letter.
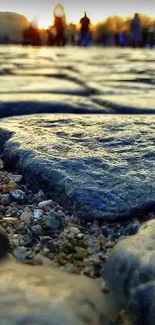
x: 60, y: 212
x: 15, y: 178
x: 95, y: 259
x: 45, y: 239
x: 39, y: 259
x: 89, y: 271
x: 2, y: 208
x: 70, y: 268
x: 5, y: 199
x: 103, y: 257
x: 102, y: 241
x: 37, y: 213
x: 11, y: 220
x: 26, y: 217
x: 1, y: 164
x: 20, y: 253
x: 27, y: 209
x: 18, y: 194
x: 74, y: 230
x: 81, y: 253
x: 15, y: 242
x: 79, y: 235
x: 66, y: 247
x: 44, y: 204
x: 46, y: 250
x: 110, y: 244
x: 7, y: 188
x: 37, y: 230
x: 70, y: 236
x: 53, y: 220
x: 62, y: 259
x: 13, y: 213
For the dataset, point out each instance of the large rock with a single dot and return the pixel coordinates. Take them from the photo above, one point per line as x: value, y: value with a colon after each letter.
x: 96, y: 166
x: 42, y: 295
x: 130, y: 274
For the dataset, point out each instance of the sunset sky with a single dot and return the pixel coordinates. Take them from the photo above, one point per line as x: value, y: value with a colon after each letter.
x: 97, y: 9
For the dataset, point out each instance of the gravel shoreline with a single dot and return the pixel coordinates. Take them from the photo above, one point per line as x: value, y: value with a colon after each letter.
x: 41, y: 232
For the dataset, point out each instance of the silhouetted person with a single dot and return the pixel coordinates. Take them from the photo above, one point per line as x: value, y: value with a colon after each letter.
x: 144, y: 37
x: 31, y: 36
x: 59, y: 24
x: 84, y: 31
x: 151, y: 36
x: 51, y: 32
x: 136, y: 31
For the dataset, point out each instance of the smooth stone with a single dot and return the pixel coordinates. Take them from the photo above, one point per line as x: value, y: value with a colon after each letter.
x: 97, y: 167
x: 130, y: 274
x: 43, y: 204
x: 20, y: 253
x: 14, y: 177
x: 74, y: 230
x: 26, y: 217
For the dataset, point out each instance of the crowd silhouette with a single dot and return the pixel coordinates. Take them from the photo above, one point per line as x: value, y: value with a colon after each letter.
x: 60, y: 34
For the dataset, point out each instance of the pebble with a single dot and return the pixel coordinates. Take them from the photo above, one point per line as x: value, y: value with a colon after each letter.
x: 20, y: 254
x: 37, y: 213
x: 62, y: 259
x: 15, y: 242
x: 44, y: 204
x: 53, y: 220
x: 7, y: 188
x: 15, y: 177
x: 26, y: 217
x: 40, y: 259
x: 37, y: 230
x: 79, y: 235
x: 74, y: 230
x: 35, y: 226
x: 81, y: 253
x: 5, y: 199
x: 18, y: 194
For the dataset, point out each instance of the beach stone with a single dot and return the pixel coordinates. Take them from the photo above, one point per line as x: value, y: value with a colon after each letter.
x: 130, y: 274
x: 14, y: 177
x: 44, y: 204
x: 99, y: 167
x: 53, y: 220
x: 26, y: 217
x: 5, y: 199
x: 18, y: 194
x: 20, y: 253
x: 74, y: 230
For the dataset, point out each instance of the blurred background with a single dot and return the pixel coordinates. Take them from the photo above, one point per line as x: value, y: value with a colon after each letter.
x: 105, y: 24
